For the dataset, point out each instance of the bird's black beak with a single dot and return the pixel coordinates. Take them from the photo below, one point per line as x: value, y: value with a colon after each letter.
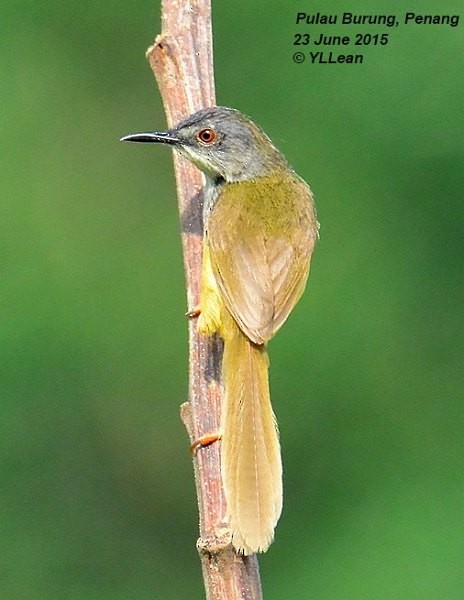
x: 156, y: 137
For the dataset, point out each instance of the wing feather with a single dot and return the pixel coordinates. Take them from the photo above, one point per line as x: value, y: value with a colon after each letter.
x: 261, y: 236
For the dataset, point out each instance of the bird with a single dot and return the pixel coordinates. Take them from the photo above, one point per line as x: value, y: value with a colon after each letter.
x: 259, y: 231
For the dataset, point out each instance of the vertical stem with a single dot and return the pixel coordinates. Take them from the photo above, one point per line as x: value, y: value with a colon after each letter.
x: 182, y: 61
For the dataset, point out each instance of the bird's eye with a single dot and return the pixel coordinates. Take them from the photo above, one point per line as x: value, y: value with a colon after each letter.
x: 207, y: 136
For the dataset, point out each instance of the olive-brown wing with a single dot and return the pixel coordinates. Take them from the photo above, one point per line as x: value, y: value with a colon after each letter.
x: 261, y: 236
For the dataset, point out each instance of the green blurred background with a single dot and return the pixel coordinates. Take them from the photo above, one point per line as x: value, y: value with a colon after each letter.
x: 97, y: 494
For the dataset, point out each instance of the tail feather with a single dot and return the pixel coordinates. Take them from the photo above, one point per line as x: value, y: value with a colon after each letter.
x: 251, y: 464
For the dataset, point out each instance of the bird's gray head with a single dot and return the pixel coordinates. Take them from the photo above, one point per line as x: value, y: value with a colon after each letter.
x: 221, y: 142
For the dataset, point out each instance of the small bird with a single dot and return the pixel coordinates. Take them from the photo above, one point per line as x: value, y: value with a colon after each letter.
x: 260, y: 227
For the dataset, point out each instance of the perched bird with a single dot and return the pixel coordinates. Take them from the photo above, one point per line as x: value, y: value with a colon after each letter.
x: 260, y: 228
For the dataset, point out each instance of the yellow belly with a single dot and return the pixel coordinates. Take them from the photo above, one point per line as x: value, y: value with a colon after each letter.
x: 211, y: 304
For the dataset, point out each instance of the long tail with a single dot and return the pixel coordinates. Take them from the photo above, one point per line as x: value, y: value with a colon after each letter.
x: 251, y: 464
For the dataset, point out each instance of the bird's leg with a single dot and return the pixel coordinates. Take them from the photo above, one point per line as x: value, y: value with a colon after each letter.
x: 204, y: 440
x: 194, y: 313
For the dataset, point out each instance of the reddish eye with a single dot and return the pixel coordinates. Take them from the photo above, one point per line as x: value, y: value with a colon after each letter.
x: 207, y: 136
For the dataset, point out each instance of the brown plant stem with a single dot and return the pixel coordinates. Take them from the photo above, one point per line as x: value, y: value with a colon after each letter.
x: 182, y: 61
